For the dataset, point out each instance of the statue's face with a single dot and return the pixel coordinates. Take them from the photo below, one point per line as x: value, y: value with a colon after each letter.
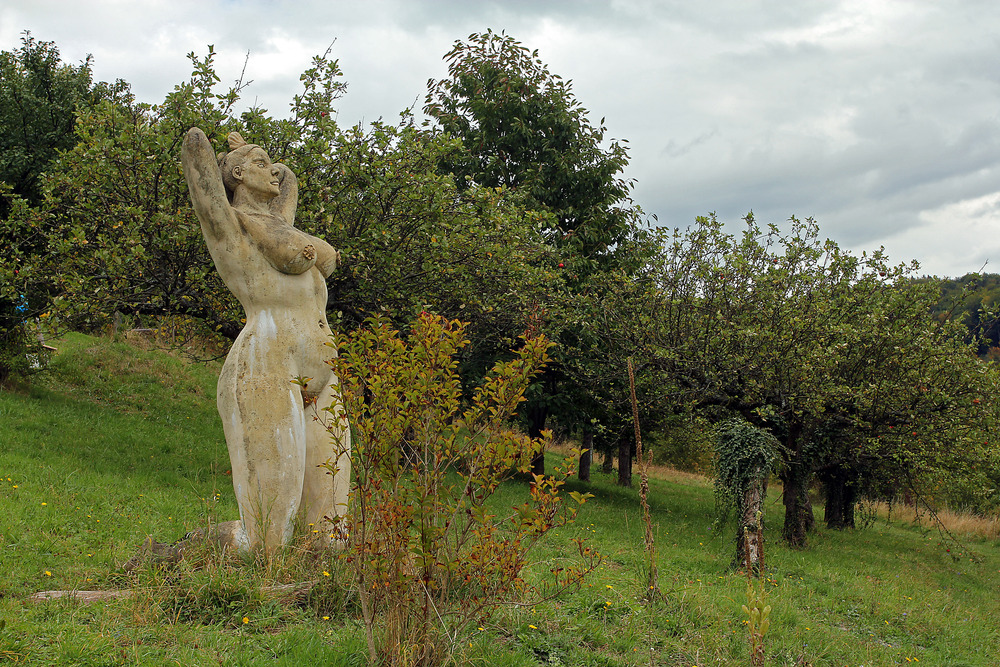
x: 257, y: 174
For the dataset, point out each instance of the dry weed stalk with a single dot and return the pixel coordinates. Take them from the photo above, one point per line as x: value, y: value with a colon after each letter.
x: 644, y: 463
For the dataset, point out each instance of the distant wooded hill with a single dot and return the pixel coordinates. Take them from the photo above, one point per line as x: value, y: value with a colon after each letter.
x: 974, y: 297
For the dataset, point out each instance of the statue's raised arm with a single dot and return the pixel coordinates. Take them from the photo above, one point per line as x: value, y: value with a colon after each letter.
x: 287, y: 200
x: 208, y: 192
x: 284, y: 205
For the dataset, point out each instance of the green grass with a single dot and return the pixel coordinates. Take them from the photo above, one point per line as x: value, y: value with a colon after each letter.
x: 116, y: 444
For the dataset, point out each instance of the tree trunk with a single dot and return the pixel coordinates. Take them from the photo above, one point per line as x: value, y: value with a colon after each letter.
x: 794, y: 529
x: 795, y: 477
x: 608, y: 465
x: 536, y: 424
x: 625, y: 462
x: 850, y: 501
x: 750, y: 538
x: 841, y: 497
x: 833, y: 487
x: 586, y: 456
x: 808, y: 518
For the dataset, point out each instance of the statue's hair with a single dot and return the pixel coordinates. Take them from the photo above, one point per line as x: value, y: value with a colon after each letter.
x: 238, y: 149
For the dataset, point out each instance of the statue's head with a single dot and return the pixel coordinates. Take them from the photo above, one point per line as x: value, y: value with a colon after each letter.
x: 248, y: 165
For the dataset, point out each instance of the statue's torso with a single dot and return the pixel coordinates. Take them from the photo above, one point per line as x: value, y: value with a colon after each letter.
x: 286, y: 326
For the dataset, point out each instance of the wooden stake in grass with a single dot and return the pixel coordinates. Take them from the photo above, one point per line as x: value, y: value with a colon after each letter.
x: 644, y: 463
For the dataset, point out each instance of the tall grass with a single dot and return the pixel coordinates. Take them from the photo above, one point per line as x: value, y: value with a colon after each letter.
x: 960, y: 524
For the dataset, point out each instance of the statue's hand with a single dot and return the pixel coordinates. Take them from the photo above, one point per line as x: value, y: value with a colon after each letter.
x: 301, y: 262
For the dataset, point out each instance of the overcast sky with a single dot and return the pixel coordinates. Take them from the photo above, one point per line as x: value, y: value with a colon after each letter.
x: 879, y: 119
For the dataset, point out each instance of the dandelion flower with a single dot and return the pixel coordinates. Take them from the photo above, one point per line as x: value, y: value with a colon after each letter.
x: 245, y: 620
x: 47, y: 573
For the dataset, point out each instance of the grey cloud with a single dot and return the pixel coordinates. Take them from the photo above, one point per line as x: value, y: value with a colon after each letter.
x: 865, y: 116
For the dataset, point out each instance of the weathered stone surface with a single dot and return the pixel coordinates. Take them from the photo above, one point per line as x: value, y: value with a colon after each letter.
x: 80, y: 596
x: 277, y: 438
x: 287, y: 593
x: 157, y: 553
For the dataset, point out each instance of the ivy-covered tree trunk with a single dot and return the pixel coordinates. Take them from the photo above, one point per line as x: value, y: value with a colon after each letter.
x: 745, y: 456
x: 586, y: 456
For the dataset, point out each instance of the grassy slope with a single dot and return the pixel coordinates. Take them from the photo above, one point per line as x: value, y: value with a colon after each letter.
x: 117, y: 444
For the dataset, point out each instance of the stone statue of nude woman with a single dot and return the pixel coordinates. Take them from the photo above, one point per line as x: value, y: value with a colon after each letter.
x: 278, y: 442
